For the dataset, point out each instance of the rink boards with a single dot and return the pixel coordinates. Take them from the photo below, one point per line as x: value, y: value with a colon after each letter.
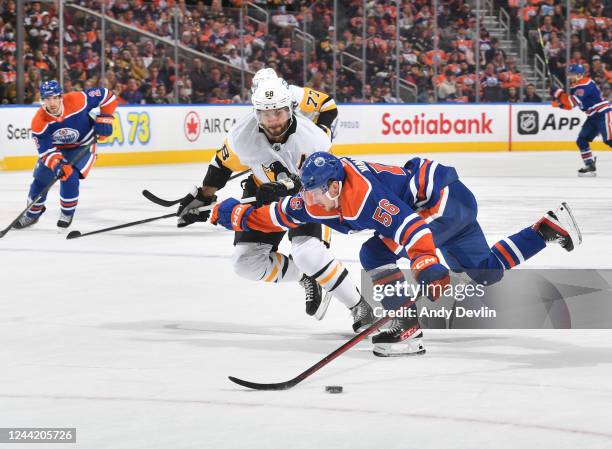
x: 147, y: 134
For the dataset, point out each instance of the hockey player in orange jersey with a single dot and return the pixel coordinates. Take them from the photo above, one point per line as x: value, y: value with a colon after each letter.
x: 62, y: 128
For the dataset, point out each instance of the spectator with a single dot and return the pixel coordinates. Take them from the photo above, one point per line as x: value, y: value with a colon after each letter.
x: 160, y: 95
x: 138, y: 70
x: 149, y: 53
x: 212, y: 30
x: 447, y: 87
x: 235, y: 59
x: 131, y: 94
x: 493, y: 51
x: 198, y: 80
x: 530, y: 95
x: 491, y: 89
x: 512, y: 95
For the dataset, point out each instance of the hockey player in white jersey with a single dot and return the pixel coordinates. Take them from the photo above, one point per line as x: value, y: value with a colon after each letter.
x: 273, y: 143
x: 318, y: 107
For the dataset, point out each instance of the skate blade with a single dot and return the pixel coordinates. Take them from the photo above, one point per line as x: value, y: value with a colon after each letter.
x: 591, y: 174
x: 363, y: 327
x: 567, y: 220
x: 410, y: 348
x: 322, y: 310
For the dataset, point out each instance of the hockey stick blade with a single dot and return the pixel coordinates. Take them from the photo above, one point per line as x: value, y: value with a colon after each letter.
x: 159, y: 201
x: 317, y: 366
x: 169, y: 203
x: 267, y: 387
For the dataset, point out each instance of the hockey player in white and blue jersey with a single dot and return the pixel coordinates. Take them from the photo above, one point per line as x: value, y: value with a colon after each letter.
x: 414, y: 211
x: 273, y: 143
x: 62, y: 128
x: 585, y: 94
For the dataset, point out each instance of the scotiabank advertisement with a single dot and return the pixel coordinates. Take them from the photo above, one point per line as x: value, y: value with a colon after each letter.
x: 190, y: 133
x: 421, y: 123
x: 398, y: 128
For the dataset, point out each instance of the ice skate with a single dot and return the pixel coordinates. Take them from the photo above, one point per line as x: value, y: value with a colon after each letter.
x: 28, y: 220
x: 403, y: 337
x: 560, y: 226
x: 64, y: 221
x: 588, y: 171
x: 313, y: 294
x: 363, y: 316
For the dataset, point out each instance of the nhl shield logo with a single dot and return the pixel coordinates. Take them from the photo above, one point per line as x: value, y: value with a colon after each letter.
x: 528, y: 122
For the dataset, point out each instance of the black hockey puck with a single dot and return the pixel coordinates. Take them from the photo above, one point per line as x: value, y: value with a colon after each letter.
x: 73, y: 235
x: 333, y: 389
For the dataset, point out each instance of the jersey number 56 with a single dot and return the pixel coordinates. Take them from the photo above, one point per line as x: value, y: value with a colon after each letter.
x: 383, y: 212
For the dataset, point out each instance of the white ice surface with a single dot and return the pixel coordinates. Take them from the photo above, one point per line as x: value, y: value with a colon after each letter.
x: 130, y: 335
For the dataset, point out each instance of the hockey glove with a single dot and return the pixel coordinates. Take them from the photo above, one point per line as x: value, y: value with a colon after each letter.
x: 558, y: 104
x: 434, y: 276
x: 104, y: 125
x: 188, y: 212
x: 59, y: 166
x: 272, y: 191
x: 555, y: 92
x: 231, y: 214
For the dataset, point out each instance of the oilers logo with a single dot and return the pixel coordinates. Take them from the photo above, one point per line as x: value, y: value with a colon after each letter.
x: 319, y: 162
x: 296, y: 203
x: 65, y: 136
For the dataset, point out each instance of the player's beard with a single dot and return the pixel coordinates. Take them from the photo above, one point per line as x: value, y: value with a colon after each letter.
x: 59, y: 112
x: 277, y: 132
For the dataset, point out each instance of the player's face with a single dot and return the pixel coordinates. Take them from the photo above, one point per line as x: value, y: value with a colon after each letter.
x: 53, y: 105
x: 324, y: 197
x: 274, y: 121
x: 574, y: 77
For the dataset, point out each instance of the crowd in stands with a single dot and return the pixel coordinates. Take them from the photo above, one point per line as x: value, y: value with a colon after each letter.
x: 590, y: 31
x: 141, y: 68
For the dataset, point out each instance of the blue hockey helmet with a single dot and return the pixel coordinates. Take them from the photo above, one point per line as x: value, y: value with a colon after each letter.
x: 576, y: 69
x: 49, y: 89
x: 318, y: 171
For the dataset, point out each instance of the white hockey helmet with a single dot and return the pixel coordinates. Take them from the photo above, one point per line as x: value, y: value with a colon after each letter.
x: 273, y: 106
x: 262, y: 74
x: 272, y: 94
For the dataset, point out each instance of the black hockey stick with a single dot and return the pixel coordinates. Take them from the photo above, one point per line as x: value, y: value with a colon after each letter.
x: 160, y: 201
x: 321, y: 363
x: 169, y: 203
x: 83, y: 152
x: 548, y: 74
x: 77, y: 234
